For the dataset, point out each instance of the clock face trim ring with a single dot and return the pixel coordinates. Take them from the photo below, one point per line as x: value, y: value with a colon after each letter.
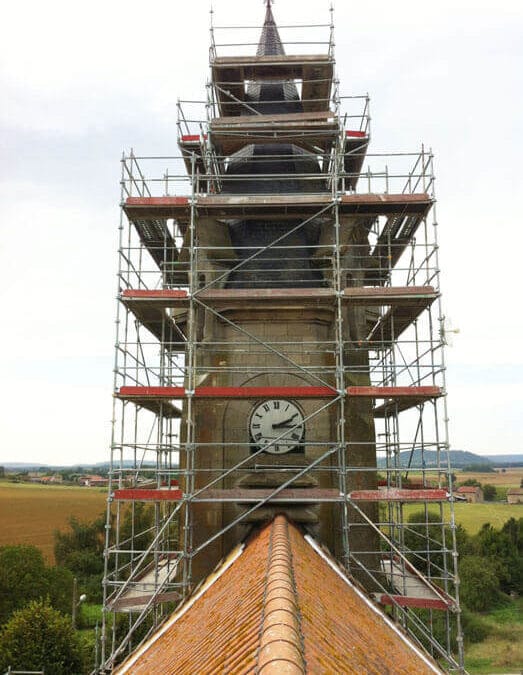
x: 277, y: 418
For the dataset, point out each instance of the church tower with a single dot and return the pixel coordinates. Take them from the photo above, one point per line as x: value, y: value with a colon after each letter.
x: 280, y: 343
x: 266, y: 312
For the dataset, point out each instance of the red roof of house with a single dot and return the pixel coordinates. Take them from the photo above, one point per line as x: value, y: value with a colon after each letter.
x: 278, y: 605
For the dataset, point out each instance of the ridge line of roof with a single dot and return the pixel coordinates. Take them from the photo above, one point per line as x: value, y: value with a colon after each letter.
x: 281, y: 640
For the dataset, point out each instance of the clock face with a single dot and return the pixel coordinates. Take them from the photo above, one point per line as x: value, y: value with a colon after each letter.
x: 277, y: 419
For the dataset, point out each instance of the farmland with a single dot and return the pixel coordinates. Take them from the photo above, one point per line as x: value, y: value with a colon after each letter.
x: 29, y: 514
x: 509, y: 478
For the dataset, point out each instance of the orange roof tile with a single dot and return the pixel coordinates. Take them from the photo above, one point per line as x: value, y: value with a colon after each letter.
x: 278, y: 605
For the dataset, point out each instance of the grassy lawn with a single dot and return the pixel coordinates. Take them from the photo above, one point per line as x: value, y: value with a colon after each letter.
x: 502, y: 651
x: 30, y: 513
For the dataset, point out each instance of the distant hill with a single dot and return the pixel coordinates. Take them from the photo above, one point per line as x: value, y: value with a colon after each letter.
x: 506, y: 460
x: 458, y: 459
x: 23, y: 466
x: 28, y: 466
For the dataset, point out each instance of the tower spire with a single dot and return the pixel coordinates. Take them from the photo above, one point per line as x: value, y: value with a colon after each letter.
x: 281, y: 96
x: 270, y: 43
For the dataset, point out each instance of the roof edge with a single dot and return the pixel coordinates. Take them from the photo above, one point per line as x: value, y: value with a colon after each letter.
x: 206, y: 584
x: 419, y: 652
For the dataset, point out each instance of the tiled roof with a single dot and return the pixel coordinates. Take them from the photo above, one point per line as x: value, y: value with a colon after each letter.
x: 278, y: 605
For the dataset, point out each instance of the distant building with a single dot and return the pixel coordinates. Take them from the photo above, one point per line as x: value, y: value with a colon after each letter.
x: 515, y: 496
x: 472, y: 493
x: 93, y: 481
x: 45, y: 480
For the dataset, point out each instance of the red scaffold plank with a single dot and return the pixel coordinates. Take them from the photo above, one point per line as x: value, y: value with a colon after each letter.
x: 280, y: 392
x: 152, y: 294
x: 156, y: 201
x: 191, y: 138
x: 355, y: 134
x: 151, y: 392
x: 394, y: 392
x: 228, y: 392
x: 400, y: 495
x: 144, y: 494
x: 406, y: 601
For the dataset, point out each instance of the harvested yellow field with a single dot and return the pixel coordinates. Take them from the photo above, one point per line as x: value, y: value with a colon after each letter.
x: 29, y: 514
x: 507, y: 478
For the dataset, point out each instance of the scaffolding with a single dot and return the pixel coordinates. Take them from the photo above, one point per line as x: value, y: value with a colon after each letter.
x: 372, y: 262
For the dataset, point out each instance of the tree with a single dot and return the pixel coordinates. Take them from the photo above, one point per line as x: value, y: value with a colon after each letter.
x: 24, y: 576
x: 40, y: 638
x: 479, y: 588
x: 503, y: 549
x: 80, y: 550
x: 426, y: 539
x: 473, y: 482
x: 489, y: 492
x: 478, y: 468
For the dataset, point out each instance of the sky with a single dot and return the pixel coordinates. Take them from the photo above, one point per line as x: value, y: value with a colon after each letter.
x: 82, y: 82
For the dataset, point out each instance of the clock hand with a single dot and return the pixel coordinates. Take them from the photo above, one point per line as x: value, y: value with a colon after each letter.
x: 285, y: 423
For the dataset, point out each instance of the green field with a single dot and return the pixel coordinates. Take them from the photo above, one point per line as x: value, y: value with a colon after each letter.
x: 473, y: 516
x: 29, y: 513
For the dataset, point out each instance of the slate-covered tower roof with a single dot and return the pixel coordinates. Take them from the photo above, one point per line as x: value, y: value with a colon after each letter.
x: 291, y: 266
x: 272, y: 97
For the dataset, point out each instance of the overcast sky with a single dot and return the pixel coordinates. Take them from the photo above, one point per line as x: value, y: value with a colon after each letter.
x: 83, y: 81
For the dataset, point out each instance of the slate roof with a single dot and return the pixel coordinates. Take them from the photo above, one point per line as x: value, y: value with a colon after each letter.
x: 289, y: 266
x: 278, y: 605
x: 270, y: 44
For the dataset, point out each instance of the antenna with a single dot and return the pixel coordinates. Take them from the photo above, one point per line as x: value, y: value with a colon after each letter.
x: 447, y: 331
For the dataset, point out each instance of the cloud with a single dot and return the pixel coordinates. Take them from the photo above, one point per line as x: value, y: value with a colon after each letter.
x: 82, y: 82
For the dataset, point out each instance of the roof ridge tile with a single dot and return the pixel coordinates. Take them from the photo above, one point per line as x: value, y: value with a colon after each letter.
x: 281, y: 643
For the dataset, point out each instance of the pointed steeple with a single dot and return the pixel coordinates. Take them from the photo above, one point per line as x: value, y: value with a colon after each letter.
x: 272, y: 96
x: 270, y: 42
